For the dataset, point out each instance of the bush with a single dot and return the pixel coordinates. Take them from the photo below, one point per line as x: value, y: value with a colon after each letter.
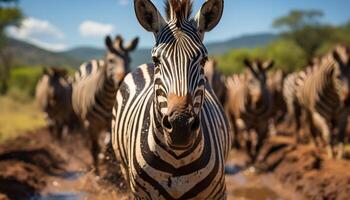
x: 286, y: 54
x: 24, y: 79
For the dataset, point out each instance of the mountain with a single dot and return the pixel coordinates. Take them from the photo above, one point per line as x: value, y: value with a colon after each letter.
x: 29, y: 54
x: 85, y: 53
x: 138, y: 57
x: 246, y: 41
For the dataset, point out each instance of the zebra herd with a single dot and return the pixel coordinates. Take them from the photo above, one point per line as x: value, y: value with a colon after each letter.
x: 172, y: 122
x: 320, y: 94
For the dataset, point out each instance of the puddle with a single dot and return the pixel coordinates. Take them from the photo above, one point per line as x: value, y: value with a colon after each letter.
x: 231, y: 170
x: 62, y: 196
x: 245, y: 184
x: 71, y: 175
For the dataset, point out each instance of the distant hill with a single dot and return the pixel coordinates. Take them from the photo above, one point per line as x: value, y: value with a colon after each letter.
x: 29, y: 54
x: 139, y: 57
x: 246, y: 41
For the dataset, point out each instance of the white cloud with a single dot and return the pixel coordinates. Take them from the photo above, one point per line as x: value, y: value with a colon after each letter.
x: 95, y: 29
x: 39, y: 32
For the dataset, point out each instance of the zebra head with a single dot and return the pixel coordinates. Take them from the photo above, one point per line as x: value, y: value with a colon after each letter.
x: 117, y: 57
x: 256, y: 78
x: 179, y: 57
x: 55, y: 81
x: 341, y: 72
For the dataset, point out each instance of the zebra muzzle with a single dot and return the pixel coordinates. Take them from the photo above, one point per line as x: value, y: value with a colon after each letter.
x: 180, y: 129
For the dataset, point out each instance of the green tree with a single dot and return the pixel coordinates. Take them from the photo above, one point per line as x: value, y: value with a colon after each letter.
x: 304, y: 27
x: 298, y: 19
x: 10, y: 15
x: 286, y: 54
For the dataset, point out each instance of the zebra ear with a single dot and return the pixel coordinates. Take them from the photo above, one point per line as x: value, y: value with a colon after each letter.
x: 109, y: 43
x: 118, y: 42
x: 110, y: 47
x: 209, y: 15
x: 268, y: 65
x: 336, y: 56
x: 132, y: 45
x: 148, y: 16
x: 247, y: 63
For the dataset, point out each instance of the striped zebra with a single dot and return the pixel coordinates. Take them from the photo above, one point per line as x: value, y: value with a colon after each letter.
x: 216, y: 80
x: 275, y: 86
x: 249, y: 106
x: 325, y: 95
x: 53, y: 95
x: 95, y: 87
x: 170, y: 132
x: 291, y: 87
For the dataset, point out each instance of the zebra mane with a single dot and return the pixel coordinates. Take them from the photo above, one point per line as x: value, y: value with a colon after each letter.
x: 179, y: 10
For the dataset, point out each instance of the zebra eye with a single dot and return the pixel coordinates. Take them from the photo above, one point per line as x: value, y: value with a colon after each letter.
x: 204, y: 61
x: 156, y: 61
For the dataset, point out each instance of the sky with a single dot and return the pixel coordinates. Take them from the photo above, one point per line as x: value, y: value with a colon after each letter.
x: 59, y: 25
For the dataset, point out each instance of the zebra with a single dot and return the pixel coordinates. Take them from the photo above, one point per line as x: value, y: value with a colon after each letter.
x: 325, y: 96
x: 275, y: 86
x: 249, y: 106
x: 53, y: 96
x: 169, y: 131
x: 95, y: 87
x: 216, y: 80
x: 291, y: 87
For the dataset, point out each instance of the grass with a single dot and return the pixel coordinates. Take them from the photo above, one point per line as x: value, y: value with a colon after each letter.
x: 18, y: 116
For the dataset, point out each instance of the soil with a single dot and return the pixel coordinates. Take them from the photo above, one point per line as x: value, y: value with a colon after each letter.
x: 36, y: 166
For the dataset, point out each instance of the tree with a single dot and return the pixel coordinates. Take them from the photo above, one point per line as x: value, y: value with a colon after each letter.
x: 298, y: 19
x: 305, y: 29
x: 10, y: 15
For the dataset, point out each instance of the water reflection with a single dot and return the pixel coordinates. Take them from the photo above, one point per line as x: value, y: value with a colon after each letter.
x: 63, y: 196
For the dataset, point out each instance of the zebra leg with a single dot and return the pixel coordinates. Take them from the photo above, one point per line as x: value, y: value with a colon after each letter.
x: 248, y: 144
x: 58, y: 130
x: 235, y: 142
x: 290, y: 114
x: 297, y: 118
x: 321, y: 123
x: 94, y: 148
x: 262, y: 135
x: 343, y: 118
x: 313, y: 130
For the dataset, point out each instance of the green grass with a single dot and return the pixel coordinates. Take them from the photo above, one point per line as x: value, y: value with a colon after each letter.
x: 17, y: 117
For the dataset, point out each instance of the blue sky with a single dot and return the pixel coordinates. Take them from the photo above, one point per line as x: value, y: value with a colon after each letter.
x: 63, y: 24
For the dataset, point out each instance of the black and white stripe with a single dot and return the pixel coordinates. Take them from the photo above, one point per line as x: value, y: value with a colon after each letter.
x: 249, y: 106
x: 53, y: 95
x: 153, y: 167
x: 216, y: 79
x: 95, y: 87
x: 325, y: 96
x: 292, y: 85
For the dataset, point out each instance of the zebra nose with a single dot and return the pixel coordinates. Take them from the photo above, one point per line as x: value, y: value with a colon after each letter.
x: 180, y: 127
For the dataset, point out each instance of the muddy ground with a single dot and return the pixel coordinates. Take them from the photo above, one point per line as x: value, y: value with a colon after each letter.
x: 35, y: 166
